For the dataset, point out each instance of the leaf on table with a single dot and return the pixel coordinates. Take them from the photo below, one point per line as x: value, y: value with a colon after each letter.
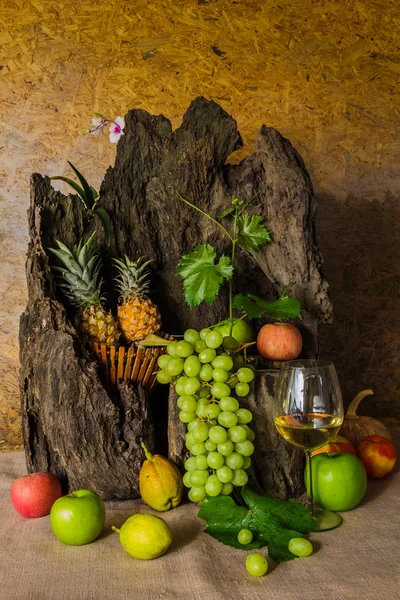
x: 252, y: 232
x: 202, y: 277
x: 273, y: 522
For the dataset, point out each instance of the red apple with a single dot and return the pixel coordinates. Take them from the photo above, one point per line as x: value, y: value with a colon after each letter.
x: 337, y: 444
x: 279, y: 341
x: 34, y: 495
x: 378, y: 456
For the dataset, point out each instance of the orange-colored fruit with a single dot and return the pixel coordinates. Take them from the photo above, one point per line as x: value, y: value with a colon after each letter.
x: 337, y: 444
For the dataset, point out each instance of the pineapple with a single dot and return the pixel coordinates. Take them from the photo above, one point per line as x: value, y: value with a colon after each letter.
x: 137, y: 315
x: 79, y: 275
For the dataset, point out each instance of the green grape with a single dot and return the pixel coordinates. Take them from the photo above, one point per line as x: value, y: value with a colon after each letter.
x: 198, y: 448
x: 237, y: 434
x: 186, y: 480
x: 300, y: 547
x: 180, y: 385
x: 184, y: 349
x: 224, y: 474
x: 256, y: 564
x: 213, y: 486
x: 227, y: 488
x: 226, y: 448
x: 204, y: 392
x: 246, y: 462
x: 245, y: 537
x: 222, y: 362
x: 206, y: 372
x: 198, y: 478
x: 214, y: 339
x: 212, y: 411
x: 212, y: 422
x: 192, y: 366
x: 230, y: 343
x: 191, y: 386
x: 199, y: 346
x: 171, y: 350
x: 229, y: 404
x: 207, y: 355
x: 190, y: 464
x: 220, y: 390
x: 201, y: 462
x: 189, y: 439
x: 245, y: 448
x: 245, y: 374
x: 215, y: 460
x: 175, y: 367
x: 197, y: 494
x: 227, y: 419
x: 200, y: 434
x: 204, y: 332
x: 202, y: 404
x: 244, y: 416
x: 239, y: 478
x: 186, y: 417
x: 242, y: 389
x: 163, y: 360
x: 234, y: 461
x: 220, y: 375
x: 187, y: 403
x: 191, y: 336
x: 217, y: 434
x: 163, y: 376
x: 210, y: 446
x: 238, y: 362
x: 249, y: 433
x: 193, y: 424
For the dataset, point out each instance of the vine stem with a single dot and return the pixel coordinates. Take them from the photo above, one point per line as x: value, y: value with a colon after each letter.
x: 231, y: 279
x: 207, y: 215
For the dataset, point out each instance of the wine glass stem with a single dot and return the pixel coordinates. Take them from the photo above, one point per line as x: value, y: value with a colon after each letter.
x: 310, y: 497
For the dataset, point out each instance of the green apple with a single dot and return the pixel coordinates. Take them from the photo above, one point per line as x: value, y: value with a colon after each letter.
x: 78, y: 518
x: 339, y: 480
x: 241, y: 331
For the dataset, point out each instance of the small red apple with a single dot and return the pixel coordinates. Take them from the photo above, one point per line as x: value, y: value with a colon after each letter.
x: 34, y: 495
x: 378, y: 456
x: 337, y: 444
x: 279, y: 341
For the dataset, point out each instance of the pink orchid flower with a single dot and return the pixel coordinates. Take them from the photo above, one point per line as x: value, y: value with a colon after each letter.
x: 98, y: 124
x: 116, y: 129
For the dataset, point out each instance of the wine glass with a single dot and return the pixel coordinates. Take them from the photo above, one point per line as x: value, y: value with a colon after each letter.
x: 308, y: 412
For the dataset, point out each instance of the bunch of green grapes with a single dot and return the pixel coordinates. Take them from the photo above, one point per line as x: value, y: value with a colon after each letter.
x: 209, y: 375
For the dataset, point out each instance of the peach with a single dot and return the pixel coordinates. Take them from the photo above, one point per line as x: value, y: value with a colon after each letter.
x: 378, y: 456
x: 337, y: 444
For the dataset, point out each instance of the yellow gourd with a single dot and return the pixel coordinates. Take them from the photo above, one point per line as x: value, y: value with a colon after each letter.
x: 160, y: 482
x: 355, y: 428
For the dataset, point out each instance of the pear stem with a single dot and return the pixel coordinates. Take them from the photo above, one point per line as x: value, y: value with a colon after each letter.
x: 147, y: 453
x: 115, y: 529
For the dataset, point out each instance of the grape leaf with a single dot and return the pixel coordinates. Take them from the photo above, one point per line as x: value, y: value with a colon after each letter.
x: 226, y: 212
x: 201, y: 276
x: 252, y: 233
x: 283, y: 308
x: 273, y: 522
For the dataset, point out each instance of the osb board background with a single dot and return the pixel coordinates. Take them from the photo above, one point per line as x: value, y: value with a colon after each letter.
x: 326, y: 74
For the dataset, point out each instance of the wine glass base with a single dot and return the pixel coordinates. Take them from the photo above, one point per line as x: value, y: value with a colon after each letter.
x: 326, y: 519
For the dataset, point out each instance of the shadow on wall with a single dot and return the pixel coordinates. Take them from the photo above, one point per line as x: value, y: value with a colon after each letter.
x: 360, y: 242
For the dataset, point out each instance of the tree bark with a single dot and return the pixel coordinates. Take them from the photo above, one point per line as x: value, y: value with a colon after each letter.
x: 71, y: 425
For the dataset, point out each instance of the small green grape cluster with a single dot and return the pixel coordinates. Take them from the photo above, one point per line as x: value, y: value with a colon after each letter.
x: 207, y: 371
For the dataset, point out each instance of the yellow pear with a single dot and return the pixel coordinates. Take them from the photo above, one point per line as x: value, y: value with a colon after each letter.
x: 160, y: 482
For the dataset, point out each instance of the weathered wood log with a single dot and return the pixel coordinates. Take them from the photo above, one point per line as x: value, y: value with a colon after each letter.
x: 71, y: 425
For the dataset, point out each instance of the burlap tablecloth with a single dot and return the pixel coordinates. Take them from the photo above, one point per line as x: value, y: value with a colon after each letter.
x: 358, y: 561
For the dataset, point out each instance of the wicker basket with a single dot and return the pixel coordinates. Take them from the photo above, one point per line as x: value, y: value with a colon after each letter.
x: 134, y: 363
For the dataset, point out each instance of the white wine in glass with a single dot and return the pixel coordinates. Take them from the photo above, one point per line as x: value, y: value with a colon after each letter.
x: 308, y: 412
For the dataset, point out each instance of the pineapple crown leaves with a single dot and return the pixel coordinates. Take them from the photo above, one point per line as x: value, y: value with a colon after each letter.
x: 79, y: 272
x: 90, y: 198
x: 202, y: 277
x: 133, y: 277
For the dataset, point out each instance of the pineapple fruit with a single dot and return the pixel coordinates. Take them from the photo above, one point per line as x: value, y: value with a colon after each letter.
x: 138, y: 317
x: 79, y: 282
